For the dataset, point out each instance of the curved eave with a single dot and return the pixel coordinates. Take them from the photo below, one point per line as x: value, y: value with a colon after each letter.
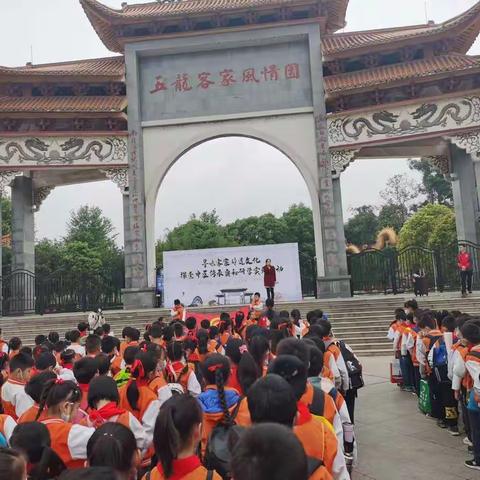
x: 105, y: 19
x: 62, y: 105
x: 462, y: 30
x: 412, y: 72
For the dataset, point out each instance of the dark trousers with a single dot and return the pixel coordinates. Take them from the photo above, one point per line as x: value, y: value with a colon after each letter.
x: 435, y: 399
x: 406, y: 366
x: 444, y: 405
x: 464, y: 410
x: 270, y: 293
x: 475, y: 426
x: 466, y: 277
x: 350, y: 397
x: 416, y: 379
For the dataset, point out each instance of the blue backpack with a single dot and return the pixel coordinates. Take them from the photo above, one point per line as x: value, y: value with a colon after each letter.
x: 440, y: 355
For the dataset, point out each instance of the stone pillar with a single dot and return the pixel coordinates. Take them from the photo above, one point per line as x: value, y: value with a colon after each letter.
x: 126, y: 236
x: 465, y: 195
x: 23, y: 225
x: 335, y: 281
x: 138, y: 294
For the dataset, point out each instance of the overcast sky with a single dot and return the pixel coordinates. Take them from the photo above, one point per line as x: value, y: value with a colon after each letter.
x: 58, y: 30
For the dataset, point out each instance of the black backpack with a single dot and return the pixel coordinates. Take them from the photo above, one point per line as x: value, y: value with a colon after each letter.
x: 354, y: 367
x: 317, y: 407
x: 217, y: 454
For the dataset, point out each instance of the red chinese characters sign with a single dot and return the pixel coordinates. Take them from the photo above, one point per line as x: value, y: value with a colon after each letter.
x: 227, y: 77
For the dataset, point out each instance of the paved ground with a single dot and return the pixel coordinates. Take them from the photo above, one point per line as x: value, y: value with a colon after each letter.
x: 395, y: 441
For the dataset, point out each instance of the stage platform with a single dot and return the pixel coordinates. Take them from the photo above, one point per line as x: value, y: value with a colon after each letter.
x: 361, y: 321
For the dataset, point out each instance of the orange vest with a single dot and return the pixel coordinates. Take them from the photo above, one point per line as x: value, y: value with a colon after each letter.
x: 59, y: 432
x: 318, y: 441
x: 31, y: 414
x: 146, y: 396
x: 199, y: 473
x: 179, y: 313
x: 124, y: 345
x: 467, y: 381
x: 157, y: 383
x: 329, y: 408
x: 3, y: 419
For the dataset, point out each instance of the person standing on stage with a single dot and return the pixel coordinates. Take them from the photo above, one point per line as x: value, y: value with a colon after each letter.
x: 465, y: 265
x: 269, y: 278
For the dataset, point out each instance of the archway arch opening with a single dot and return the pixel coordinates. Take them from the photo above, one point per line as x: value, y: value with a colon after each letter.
x: 256, y: 192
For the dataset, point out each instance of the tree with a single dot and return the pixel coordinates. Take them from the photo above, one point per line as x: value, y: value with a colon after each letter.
x: 362, y: 228
x: 49, y: 257
x: 264, y: 230
x: 6, y: 206
x: 79, y: 257
x: 391, y: 216
x: 432, y: 226
x: 89, y: 225
x: 434, y: 185
x: 204, y: 232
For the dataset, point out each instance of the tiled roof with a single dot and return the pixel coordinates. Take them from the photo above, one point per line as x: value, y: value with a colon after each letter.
x: 102, y: 67
x: 402, y: 71
x: 62, y: 104
x: 104, y: 19
x: 462, y: 30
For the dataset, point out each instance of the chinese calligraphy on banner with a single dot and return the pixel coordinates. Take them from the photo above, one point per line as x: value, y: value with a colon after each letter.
x: 203, y: 83
x: 204, y: 273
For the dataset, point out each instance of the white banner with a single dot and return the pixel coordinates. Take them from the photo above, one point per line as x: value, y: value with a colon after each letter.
x: 197, y: 276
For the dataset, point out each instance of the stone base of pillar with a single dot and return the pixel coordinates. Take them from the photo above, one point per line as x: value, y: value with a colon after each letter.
x: 138, y: 298
x: 333, y: 287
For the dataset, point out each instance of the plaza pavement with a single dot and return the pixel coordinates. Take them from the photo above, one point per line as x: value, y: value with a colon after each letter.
x: 397, y: 442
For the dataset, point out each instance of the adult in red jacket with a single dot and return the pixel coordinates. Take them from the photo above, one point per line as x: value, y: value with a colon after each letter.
x: 465, y: 265
x: 269, y: 278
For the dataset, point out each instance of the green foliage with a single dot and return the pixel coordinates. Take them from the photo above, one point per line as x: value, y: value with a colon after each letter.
x: 88, y: 247
x: 264, y: 230
x: 6, y: 216
x: 48, y: 256
x: 432, y: 226
x: 434, y: 185
x: 79, y: 257
x: 90, y: 226
x: 204, y: 232
x: 393, y: 216
x: 362, y: 228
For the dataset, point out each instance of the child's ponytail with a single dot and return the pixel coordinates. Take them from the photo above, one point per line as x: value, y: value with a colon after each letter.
x: 173, y: 429
x: 144, y: 364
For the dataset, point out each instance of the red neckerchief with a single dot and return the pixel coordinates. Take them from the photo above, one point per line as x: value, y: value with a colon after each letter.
x: 83, y: 387
x: 181, y: 468
x: 83, y: 334
x: 178, y: 367
x: 68, y: 366
x: 102, y: 415
x: 193, y: 357
x: 304, y: 415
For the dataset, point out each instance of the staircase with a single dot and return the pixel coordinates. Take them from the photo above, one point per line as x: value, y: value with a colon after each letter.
x: 362, y: 321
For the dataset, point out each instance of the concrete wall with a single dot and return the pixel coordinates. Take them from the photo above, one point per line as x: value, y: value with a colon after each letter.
x: 294, y: 135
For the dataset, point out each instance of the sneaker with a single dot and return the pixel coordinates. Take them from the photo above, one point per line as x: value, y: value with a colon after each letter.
x: 472, y: 464
x: 470, y: 449
x: 441, y: 424
x: 467, y: 442
x: 453, y: 431
x: 470, y: 292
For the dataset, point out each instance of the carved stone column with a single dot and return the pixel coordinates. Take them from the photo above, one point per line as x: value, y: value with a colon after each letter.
x: 466, y: 184
x: 333, y: 281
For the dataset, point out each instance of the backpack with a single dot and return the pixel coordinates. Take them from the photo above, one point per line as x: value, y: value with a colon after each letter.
x: 439, y: 358
x: 217, y: 454
x: 354, y: 367
x: 313, y: 464
x: 317, y: 407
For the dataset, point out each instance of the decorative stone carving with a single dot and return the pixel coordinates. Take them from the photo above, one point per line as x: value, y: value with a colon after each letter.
x: 119, y: 176
x: 6, y: 178
x: 341, y: 159
x: 440, y: 162
x: 40, y: 194
x: 24, y: 151
x: 435, y: 117
x: 468, y: 141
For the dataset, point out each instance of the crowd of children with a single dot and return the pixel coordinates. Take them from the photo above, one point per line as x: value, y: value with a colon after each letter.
x: 187, y: 399
x: 439, y: 356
